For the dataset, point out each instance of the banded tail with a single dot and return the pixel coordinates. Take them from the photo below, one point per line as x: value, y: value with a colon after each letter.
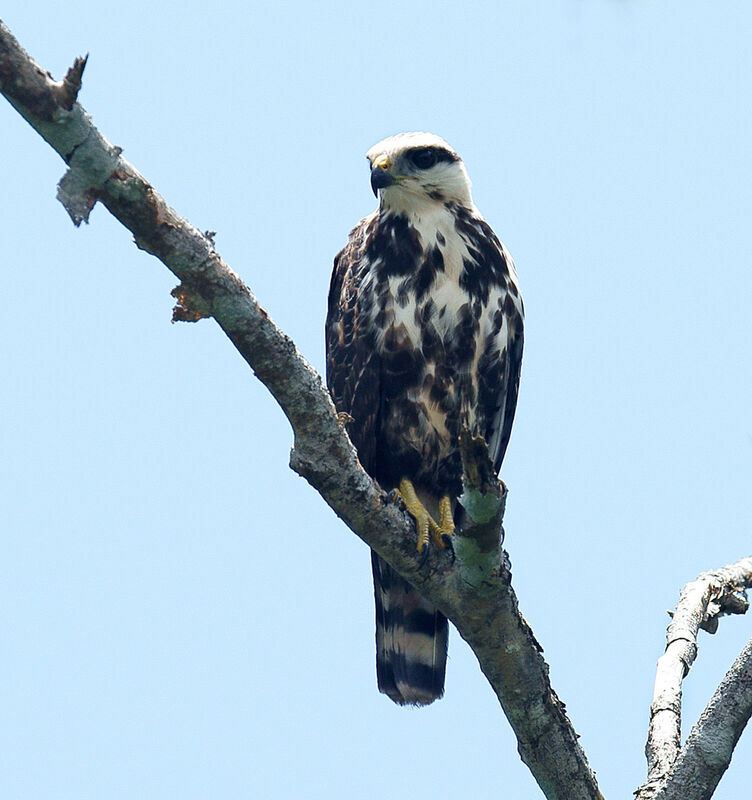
x: 411, y: 640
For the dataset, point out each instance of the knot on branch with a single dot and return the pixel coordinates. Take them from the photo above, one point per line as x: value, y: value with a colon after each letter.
x: 190, y: 306
x: 68, y: 88
x: 730, y: 602
x: 83, y: 184
x: 24, y: 81
x: 483, y: 496
x: 477, y: 467
x: 483, y: 500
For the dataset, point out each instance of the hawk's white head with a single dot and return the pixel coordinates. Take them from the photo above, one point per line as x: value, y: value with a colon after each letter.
x: 417, y: 169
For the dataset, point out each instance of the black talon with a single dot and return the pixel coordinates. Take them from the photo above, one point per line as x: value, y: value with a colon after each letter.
x: 423, y: 556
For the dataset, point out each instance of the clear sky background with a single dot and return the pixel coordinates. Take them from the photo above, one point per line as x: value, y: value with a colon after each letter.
x: 180, y: 614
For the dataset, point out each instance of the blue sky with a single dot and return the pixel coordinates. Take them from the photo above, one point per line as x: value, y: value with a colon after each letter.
x: 181, y: 615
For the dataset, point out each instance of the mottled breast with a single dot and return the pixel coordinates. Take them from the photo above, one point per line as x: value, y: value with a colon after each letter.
x: 439, y: 294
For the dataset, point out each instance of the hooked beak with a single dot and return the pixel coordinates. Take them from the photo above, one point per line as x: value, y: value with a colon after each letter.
x: 380, y: 179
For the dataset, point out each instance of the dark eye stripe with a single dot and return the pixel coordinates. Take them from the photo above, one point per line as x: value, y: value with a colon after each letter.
x: 426, y: 157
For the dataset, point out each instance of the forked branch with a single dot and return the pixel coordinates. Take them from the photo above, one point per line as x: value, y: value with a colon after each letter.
x: 707, y: 750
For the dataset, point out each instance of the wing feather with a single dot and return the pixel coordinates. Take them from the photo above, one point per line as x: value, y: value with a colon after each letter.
x: 506, y: 389
x: 353, y: 368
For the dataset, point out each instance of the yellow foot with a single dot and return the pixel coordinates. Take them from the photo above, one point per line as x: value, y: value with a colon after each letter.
x: 445, y: 528
x: 428, y: 528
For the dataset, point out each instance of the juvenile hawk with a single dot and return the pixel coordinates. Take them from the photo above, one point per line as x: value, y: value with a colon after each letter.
x: 423, y: 337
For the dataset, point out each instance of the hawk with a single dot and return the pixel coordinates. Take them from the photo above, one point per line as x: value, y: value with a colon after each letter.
x: 423, y: 338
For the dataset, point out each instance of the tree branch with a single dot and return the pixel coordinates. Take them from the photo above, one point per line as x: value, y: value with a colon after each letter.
x: 700, y: 605
x: 474, y: 592
x: 711, y: 742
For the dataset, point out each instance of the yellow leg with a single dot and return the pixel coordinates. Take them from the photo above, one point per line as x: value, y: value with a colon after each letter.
x: 417, y: 511
x: 446, y: 522
x: 428, y: 529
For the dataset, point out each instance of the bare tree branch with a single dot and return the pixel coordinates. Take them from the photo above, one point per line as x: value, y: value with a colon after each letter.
x: 711, y: 742
x: 475, y: 591
x: 700, y: 604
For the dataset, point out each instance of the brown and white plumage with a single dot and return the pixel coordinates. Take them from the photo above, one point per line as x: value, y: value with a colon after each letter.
x: 424, y: 337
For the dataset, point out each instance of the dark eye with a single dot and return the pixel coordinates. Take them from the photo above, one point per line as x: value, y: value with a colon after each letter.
x: 423, y: 157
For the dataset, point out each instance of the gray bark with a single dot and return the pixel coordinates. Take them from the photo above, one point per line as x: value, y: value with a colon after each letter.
x: 707, y: 752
